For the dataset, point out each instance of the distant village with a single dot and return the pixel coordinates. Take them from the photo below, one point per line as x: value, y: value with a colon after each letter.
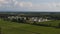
x: 29, y: 18
x: 26, y: 18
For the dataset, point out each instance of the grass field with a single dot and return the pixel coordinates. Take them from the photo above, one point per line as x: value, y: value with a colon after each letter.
x: 8, y: 27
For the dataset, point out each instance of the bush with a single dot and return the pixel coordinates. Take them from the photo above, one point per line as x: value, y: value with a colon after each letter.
x: 49, y: 25
x: 59, y: 25
x: 14, y: 20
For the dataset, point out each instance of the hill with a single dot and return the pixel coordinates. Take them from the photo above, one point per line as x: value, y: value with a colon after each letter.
x: 8, y: 27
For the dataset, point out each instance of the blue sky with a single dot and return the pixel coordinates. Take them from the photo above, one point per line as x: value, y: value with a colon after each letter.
x: 29, y: 5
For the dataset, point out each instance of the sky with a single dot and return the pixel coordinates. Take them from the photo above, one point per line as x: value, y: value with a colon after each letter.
x: 29, y: 5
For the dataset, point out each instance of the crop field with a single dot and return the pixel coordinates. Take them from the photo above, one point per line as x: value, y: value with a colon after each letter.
x: 8, y: 27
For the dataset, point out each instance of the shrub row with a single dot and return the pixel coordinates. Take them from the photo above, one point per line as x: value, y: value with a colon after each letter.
x: 48, y: 24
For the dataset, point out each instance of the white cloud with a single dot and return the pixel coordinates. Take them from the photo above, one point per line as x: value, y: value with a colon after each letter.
x: 15, y: 2
x: 25, y: 4
x: 54, y: 6
x: 8, y: 3
x: 30, y: 5
x: 45, y: 6
x: 3, y: 1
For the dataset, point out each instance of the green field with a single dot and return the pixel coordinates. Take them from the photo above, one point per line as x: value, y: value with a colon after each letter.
x: 8, y: 27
